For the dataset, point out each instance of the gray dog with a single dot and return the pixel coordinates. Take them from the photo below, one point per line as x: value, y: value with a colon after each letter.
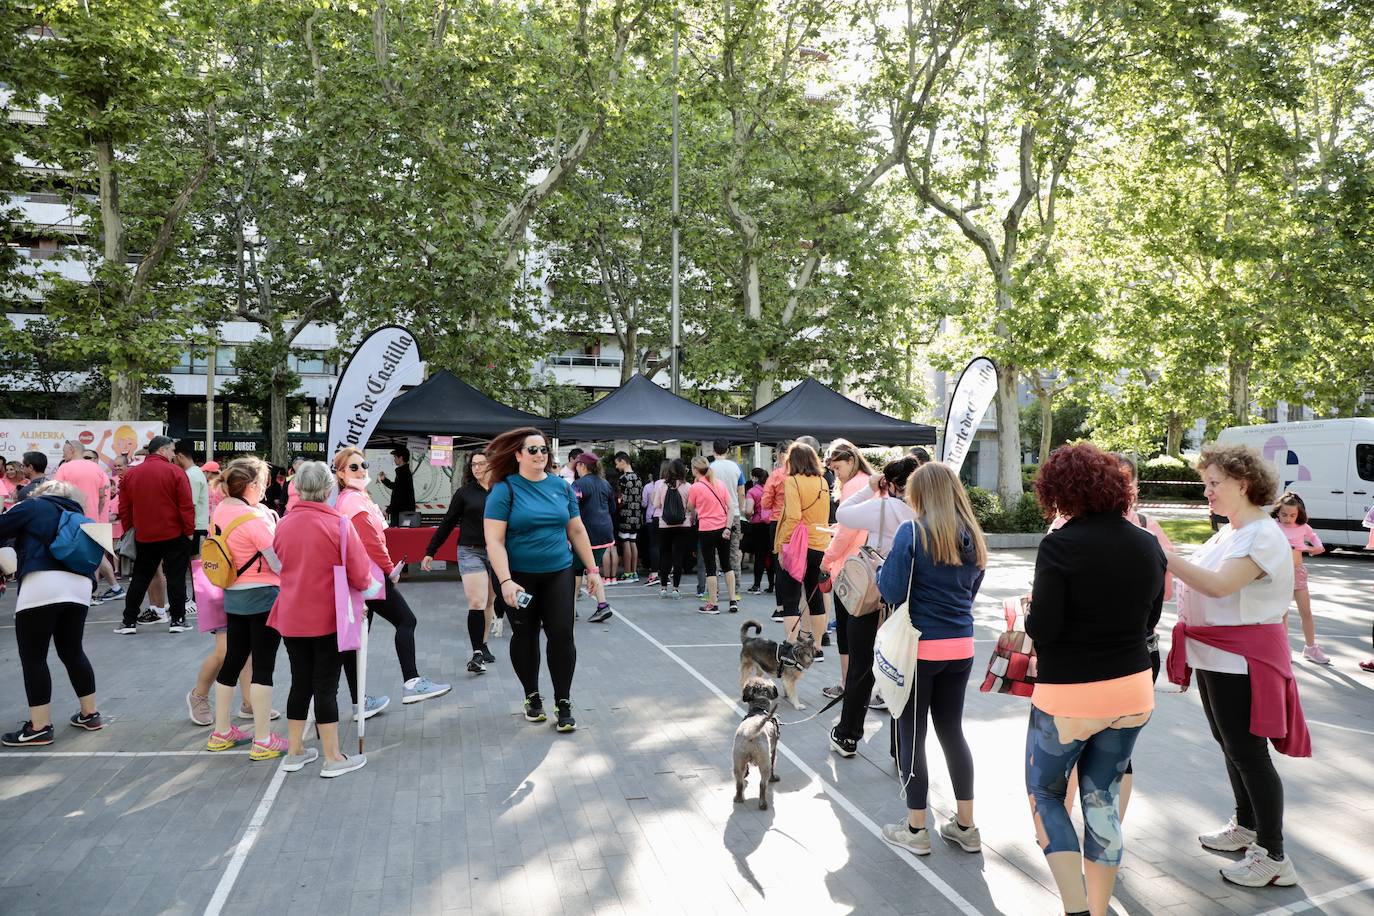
x: 756, y: 739
x: 785, y: 661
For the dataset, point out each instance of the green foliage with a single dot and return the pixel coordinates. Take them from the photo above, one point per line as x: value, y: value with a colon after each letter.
x: 1173, y: 470
x: 1024, y: 516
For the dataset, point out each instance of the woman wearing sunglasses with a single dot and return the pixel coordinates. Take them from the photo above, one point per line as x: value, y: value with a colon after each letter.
x: 533, y: 529
x: 354, y: 504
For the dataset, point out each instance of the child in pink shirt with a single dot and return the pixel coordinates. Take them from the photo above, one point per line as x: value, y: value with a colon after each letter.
x: 1291, y: 513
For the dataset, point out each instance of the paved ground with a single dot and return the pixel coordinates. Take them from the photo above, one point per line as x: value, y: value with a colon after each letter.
x: 466, y: 808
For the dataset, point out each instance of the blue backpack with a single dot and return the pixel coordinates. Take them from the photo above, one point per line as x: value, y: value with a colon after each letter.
x: 74, y: 548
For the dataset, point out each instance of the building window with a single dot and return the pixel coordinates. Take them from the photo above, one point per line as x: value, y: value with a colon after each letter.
x: 243, y: 419
x: 194, y: 362
x: 312, y: 365
x: 195, y: 416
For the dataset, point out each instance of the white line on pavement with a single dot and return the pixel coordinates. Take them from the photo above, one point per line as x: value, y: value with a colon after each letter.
x: 1344, y: 728
x: 1311, y: 903
x: 120, y: 753
x: 245, y: 844
x: 864, y: 820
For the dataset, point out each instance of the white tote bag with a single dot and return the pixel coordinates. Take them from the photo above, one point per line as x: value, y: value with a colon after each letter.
x: 894, y: 650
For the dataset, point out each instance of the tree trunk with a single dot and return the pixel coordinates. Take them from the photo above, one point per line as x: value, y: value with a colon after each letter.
x: 111, y: 222
x: 749, y: 281
x: 1046, y: 423
x: 1173, y: 435
x: 126, y: 396
x: 278, y: 451
x: 1008, y: 435
x: 629, y: 357
x: 1238, y: 370
x: 767, y: 383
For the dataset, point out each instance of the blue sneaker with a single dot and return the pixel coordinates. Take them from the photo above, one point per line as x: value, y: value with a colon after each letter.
x: 371, y: 706
x: 424, y: 689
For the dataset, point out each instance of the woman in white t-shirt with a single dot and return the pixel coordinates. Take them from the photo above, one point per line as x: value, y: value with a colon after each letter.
x: 1242, y: 576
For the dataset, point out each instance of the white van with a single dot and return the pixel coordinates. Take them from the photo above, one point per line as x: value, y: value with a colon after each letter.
x: 1329, y: 463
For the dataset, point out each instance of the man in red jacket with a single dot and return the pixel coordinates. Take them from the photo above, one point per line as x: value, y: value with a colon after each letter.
x: 155, y: 501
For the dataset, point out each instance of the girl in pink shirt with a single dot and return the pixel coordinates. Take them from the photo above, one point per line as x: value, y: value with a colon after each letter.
x: 1291, y: 513
x: 710, y: 501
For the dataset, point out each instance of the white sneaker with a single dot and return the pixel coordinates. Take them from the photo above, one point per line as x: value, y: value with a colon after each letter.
x: 1258, y: 870
x: 1314, y: 654
x: 498, y: 626
x: 900, y: 834
x: 1231, y: 838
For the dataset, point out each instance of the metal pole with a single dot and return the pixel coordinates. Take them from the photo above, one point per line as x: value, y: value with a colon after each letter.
x: 210, y: 400
x: 677, y: 315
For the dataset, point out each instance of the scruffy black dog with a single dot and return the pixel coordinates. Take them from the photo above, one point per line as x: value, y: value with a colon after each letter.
x: 785, y: 660
x: 756, y: 739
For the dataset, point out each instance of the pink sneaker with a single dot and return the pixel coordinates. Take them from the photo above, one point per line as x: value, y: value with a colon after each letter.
x: 274, y: 746
x: 1314, y: 654
x: 223, y: 741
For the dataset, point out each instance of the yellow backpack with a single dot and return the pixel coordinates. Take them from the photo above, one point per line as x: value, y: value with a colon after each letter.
x: 217, y: 561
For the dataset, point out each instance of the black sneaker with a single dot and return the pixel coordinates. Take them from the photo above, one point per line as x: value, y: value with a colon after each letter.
x: 709, y: 609
x: 91, y: 723
x: 601, y: 616
x: 845, y: 747
x: 566, y: 722
x: 820, y: 655
x: 769, y: 589
x: 752, y: 590
x: 475, y: 664
x: 734, y: 607
x: 149, y: 616
x: 825, y: 639
x: 534, y: 708
x: 27, y: 737
x: 487, y: 656
x: 777, y: 614
x: 179, y: 626
x: 126, y: 629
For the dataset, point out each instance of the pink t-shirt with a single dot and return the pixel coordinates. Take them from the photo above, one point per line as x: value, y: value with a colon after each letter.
x: 87, y: 477
x: 1301, y: 537
x: 761, y: 515
x: 711, y: 502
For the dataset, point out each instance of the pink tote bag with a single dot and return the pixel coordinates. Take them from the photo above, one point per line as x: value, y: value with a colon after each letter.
x: 350, y: 611
x: 209, y: 601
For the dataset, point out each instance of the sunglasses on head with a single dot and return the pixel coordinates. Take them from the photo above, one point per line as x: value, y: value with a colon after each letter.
x: 537, y: 449
x: 358, y: 467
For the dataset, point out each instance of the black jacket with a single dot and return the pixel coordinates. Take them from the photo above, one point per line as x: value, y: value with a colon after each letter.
x: 465, y: 510
x: 1098, y: 593
x: 402, y: 490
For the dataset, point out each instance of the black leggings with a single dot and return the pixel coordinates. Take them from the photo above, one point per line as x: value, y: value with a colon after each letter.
x: 841, y: 625
x: 939, y: 690
x: 790, y: 590
x: 1254, y: 781
x: 762, y: 553
x: 672, y: 552
x: 858, y: 684
x: 550, y: 607
x: 248, y: 634
x: 315, y: 664
x: 713, y: 546
x: 62, y: 625
x: 393, y: 609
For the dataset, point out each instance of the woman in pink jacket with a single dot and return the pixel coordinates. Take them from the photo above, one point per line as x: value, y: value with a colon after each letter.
x: 308, y: 546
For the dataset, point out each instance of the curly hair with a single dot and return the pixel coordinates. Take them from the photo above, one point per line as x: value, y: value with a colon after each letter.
x: 1078, y: 479
x: 1246, y: 464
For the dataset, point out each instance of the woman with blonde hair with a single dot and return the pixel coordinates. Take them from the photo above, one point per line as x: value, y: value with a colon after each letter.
x: 354, y: 504
x: 935, y: 568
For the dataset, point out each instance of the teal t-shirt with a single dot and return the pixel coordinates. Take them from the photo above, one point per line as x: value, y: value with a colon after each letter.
x: 536, y: 521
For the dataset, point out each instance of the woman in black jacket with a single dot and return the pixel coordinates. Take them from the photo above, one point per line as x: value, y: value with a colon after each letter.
x: 465, y: 510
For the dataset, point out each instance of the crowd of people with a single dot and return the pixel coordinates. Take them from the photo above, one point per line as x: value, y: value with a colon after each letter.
x: 534, y: 538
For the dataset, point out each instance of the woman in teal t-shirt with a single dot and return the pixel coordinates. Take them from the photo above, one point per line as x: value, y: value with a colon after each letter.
x: 533, y: 528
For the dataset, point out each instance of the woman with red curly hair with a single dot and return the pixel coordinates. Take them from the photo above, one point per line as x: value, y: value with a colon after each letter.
x: 1098, y: 593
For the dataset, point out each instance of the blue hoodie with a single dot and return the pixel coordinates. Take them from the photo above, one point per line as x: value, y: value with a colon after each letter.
x: 941, y: 596
x: 34, y: 525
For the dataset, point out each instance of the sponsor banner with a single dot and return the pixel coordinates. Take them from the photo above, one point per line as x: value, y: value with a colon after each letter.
x: 441, y: 451
x: 107, y: 438
x: 973, y: 393
x: 385, y: 360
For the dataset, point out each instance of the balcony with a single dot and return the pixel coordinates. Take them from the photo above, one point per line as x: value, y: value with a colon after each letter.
x: 593, y: 362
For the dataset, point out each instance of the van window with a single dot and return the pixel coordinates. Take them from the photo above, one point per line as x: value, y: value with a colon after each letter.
x: 1364, y: 461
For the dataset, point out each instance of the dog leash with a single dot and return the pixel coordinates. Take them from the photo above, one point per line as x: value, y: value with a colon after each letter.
x: 818, y: 712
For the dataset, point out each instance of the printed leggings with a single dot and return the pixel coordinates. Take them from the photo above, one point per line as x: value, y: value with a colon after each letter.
x: 1101, y: 750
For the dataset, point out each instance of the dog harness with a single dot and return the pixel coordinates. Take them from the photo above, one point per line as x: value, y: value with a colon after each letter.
x: 785, y: 658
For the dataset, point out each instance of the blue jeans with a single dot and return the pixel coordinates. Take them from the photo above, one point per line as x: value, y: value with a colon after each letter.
x: 1101, y: 759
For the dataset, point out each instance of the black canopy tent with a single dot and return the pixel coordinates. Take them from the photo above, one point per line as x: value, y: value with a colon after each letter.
x: 639, y: 409
x: 812, y: 409
x: 445, y: 405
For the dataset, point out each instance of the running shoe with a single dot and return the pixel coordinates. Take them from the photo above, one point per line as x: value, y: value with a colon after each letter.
x: 534, y: 708
x: 663, y: 593
x: 114, y: 591
x: 334, y: 768
x: 676, y: 594
x: 498, y: 627
x: 424, y: 689
x: 199, y: 708
x: 901, y: 835
x: 476, y: 664
x: 753, y: 590
x: 151, y: 615
x: 28, y: 736
x: 223, y: 741
x: 709, y: 609
x: 126, y: 629
x: 845, y: 747
x: 609, y: 582
x: 1258, y: 870
x: 1315, y: 655
x: 701, y: 595
x: 966, y: 838
x: 769, y: 589
x: 274, y: 746
x: 297, y: 762
x: 1367, y: 665
x: 246, y: 712
x: 91, y: 723
x: 734, y: 606
x: 1231, y: 838
x: 825, y: 638
x: 371, y: 706
x: 566, y: 722
x: 833, y: 692
x: 652, y: 580
x: 777, y: 614
x: 487, y: 656
x: 877, y: 701
x: 179, y: 626
x: 820, y: 655
x: 603, y: 613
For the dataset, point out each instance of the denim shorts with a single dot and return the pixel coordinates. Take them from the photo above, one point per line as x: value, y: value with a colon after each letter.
x: 472, y: 560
